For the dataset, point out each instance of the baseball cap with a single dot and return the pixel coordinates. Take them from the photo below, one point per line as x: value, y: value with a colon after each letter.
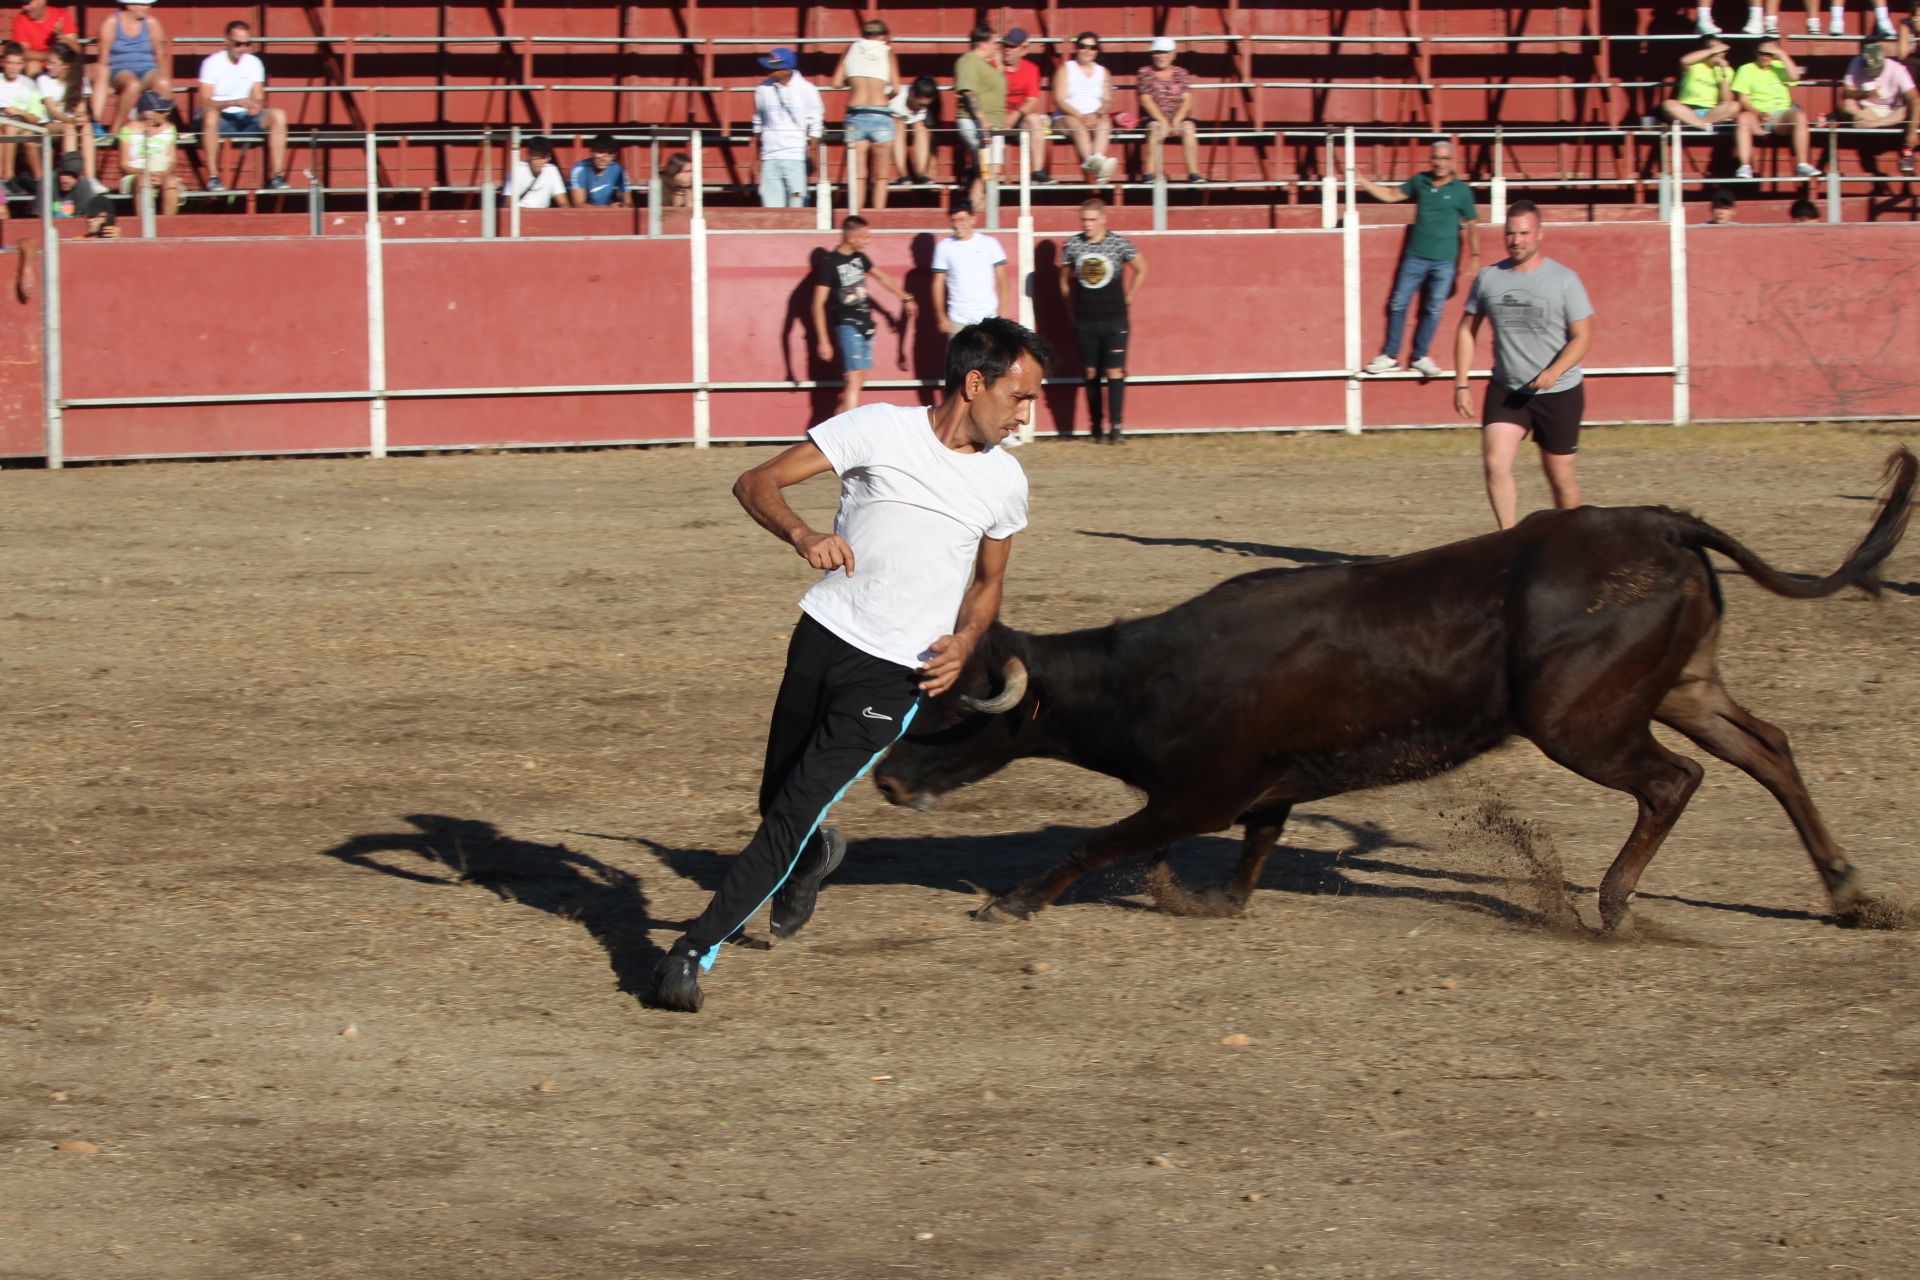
x: 1162, y: 44
x: 782, y: 59
x: 153, y: 100
x: 72, y: 163
x: 1014, y: 38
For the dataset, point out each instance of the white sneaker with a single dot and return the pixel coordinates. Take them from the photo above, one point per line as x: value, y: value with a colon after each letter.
x: 1109, y: 165
x: 1426, y: 368
x: 1381, y: 364
x: 1755, y: 25
x: 1884, y: 27
x: 1770, y: 27
x: 1813, y: 28
x: 1706, y: 26
x: 1744, y: 171
x: 1805, y: 171
x: 1836, y: 26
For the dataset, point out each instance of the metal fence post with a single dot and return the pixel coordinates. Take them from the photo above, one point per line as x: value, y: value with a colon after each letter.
x: 56, y: 426
x: 1833, y: 175
x: 656, y: 190
x: 1023, y: 258
x: 823, y: 188
x: 1350, y: 283
x: 1160, y: 198
x: 489, y: 205
x: 376, y: 310
x: 513, y: 197
x: 1329, y: 189
x: 1497, y: 192
x: 697, y: 238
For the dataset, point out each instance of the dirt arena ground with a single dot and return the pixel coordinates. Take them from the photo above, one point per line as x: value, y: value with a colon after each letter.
x: 347, y: 805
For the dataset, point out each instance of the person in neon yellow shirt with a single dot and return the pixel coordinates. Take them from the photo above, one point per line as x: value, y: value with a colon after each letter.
x: 1706, y: 93
x: 1763, y: 90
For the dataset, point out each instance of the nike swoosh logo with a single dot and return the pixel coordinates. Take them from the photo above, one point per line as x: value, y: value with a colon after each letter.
x: 871, y: 714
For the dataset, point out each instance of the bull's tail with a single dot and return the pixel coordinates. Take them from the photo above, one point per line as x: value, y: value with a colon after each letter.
x: 1860, y: 567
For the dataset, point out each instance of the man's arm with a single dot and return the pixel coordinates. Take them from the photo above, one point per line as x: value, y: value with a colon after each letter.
x: 1139, y: 264
x: 758, y: 490
x: 1391, y: 195
x: 839, y: 80
x: 1185, y: 109
x: 1066, y: 286
x: 822, y: 344
x: 162, y: 46
x: 1150, y: 108
x: 1470, y: 243
x: 940, y: 301
x: 978, y: 608
x: 1463, y: 343
x: 1000, y: 287
x: 1579, y: 342
x: 908, y: 304
x: 1913, y: 118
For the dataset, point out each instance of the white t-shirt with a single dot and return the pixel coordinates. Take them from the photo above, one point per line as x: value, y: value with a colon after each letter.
x: 914, y: 512
x: 973, y: 294
x: 230, y: 81
x: 536, y: 193
x: 23, y: 95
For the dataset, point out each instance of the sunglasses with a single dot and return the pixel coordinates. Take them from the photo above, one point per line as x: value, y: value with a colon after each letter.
x: 1094, y: 47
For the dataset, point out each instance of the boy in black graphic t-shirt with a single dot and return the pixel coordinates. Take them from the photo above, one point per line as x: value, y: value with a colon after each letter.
x: 1094, y: 271
x: 843, y: 311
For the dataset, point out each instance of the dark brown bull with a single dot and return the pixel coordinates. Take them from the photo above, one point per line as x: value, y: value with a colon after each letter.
x: 1576, y: 629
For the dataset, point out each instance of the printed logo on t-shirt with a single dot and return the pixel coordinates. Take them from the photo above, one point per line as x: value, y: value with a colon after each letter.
x: 1094, y: 270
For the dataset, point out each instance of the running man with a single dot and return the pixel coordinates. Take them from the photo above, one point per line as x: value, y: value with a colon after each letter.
x: 928, y: 500
x: 1542, y: 329
x: 1093, y: 267
x: 843, y: 310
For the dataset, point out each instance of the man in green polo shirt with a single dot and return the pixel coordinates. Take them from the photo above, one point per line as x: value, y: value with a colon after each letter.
x: 1762, y: 88
x: 1442, y: 236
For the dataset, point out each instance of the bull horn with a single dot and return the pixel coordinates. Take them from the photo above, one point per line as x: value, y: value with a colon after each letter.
x: 1010, y: 693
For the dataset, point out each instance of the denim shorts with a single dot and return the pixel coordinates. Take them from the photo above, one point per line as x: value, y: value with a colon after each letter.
x: 236, y: 124
x: 869, y: 124
x: 856, y: 348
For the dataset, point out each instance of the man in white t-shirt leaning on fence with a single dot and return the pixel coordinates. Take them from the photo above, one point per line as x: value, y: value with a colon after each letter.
x: 235, y: 82
x: 911, y: 580
x: 969, y: 274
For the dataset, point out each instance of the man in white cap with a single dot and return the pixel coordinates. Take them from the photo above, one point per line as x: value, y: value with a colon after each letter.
x: 1166, y: 99
x: 787, y: 118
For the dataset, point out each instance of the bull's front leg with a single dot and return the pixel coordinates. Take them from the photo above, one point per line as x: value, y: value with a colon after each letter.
x: 1148, y: 829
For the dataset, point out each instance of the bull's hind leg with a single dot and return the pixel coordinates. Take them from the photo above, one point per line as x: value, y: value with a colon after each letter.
x: 1230, y: 899
x: 1702, y: 709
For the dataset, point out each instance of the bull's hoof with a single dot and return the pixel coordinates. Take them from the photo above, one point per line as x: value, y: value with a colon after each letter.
x: 1002, y: 911
x: 1613, y: 913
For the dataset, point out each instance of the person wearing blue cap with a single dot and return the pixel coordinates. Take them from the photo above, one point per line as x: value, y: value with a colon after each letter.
x: 787, y: 119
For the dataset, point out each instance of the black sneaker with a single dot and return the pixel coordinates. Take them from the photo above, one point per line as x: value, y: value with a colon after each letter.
x: 214, y: 184
x: 1114, y: 434
x: 1041, y: 175
x: 793, y: 905
x: 676, y: 983
x: 278, y: 182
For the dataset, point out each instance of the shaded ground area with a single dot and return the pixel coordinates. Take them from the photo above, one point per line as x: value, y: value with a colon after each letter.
x: 348, y: 804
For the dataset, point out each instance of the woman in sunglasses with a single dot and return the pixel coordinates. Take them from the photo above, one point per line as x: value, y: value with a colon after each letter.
x: 1083, y: 91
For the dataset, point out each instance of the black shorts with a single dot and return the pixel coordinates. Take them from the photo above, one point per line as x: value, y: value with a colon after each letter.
x: 1552, y: 418
x: 1103, y: 343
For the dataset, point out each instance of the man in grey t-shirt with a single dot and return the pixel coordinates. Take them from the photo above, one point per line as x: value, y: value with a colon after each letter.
x: 1542, y: 329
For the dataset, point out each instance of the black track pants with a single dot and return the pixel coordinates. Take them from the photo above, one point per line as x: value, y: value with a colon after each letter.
x: 838, y: 711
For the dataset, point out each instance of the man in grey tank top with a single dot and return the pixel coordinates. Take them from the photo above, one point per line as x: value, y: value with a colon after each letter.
x: 1542, y: 329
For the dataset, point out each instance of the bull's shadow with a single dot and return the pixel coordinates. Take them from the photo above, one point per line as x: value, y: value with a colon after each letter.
x: 605, y: 900
x: 1271, y: 551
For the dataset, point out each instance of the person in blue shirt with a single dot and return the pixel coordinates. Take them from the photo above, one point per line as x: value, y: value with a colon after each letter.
x: 600, y: 179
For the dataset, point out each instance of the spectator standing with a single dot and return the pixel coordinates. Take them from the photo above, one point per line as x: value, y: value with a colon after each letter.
x: 843, y: 308
x: 1878, y: 93
x: 1763, y: 89
x: 21, y: 106
x: 1720, y: 212
x: 1442, y: 238
x: 787, y: 119
x: 235, y: 82
x: 916, y: 114
x: 600, y: 179
x: 1100, y: 274
x: 1166, y: 99
x: 869, y: 71
x: 150, y: 149
x: 1026, y: 98
x: 969, y: 274
x: 134, y: 51
x: 1083, y: 94
x: 535, y: 182
x: 929, y: 504
x: 1542, y: 329
x: 1706, y: 87
x: 980, y: 89
x: 39, y: 28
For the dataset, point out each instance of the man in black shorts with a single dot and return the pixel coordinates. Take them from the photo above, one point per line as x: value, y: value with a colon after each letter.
x: 1100, y: 272
x: 1542, y: 329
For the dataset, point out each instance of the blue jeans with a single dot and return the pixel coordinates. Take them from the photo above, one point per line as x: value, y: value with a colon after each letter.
x: 783, y: 184
x: 856, y: 348
x: 1414, y: 272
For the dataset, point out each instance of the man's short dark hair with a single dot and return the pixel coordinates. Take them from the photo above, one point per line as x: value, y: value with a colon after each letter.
x: 1723, y: 199
x: 960, y: 205
x: 603, y: 144
x: 980, y: 35
x: 992, y: 346
x: 1520, y: 207
x: 1804, y: 208
x: 13, y: 49
x: 540, y: 147
x: 238, y: 24
x: 852, y: 222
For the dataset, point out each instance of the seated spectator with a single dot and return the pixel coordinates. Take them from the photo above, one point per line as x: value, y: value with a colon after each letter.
x: 1706, y: 87
x: 1166, y: 99
x: 980, y: 95
x: 1804, y: 210
x: 63, y: 91
x: 1720, y: 213
x: 39, y: 29
x: 1083, y: 95
x: 235, y: 82
x: 1878, y: 93
x: 788, y: 119
x: 102, y: 223
x: 916, y: 110
x: 21, y: 104
x: 675, y: 181
x: 535, y: 182
x: 73, y: 190
x: 1026, y: 101
x: 133, y: 52
x: 868, y: 71
x: 600, y: 179
x: 149, y: 148
x: 1762, y: 88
